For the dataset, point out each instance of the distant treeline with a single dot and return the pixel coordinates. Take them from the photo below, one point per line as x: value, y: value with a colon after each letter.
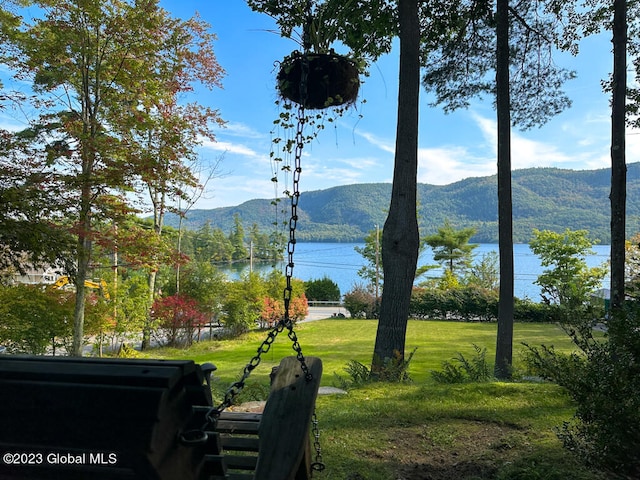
x: 213, y: 244
x: 543, y: 198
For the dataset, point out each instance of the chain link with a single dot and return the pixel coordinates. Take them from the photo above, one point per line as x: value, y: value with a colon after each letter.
x: 286, y: 322
x: 318, y: 464
x: 234, y: 390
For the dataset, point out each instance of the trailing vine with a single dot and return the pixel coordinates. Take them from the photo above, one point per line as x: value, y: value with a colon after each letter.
x: 330, y: 86
x: 283, y: 143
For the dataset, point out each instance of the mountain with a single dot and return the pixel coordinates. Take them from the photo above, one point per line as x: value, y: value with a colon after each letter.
x: 543, y: 198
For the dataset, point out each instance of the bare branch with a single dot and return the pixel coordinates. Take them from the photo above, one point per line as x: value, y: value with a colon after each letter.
x: 526, y: 25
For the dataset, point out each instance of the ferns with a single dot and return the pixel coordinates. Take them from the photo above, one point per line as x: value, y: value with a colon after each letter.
x: 474, y: 369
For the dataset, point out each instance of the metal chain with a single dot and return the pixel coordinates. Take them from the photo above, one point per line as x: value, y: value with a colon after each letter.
x: 234, y: 390
x: 286, y: 322
x: 293, y: 223
x: 318, y: 464
x: 295, y: 198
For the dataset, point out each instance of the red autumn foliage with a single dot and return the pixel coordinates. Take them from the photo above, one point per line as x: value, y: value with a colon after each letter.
x: 179, y: 317
x: 273, y: 310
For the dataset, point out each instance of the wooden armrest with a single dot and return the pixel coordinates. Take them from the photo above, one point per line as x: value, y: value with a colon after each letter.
x: 284, y: 428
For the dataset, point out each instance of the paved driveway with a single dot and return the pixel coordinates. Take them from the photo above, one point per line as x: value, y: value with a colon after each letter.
x: 318, y: 313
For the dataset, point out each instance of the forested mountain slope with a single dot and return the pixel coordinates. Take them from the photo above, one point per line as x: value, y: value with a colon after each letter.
x: 543, y: 198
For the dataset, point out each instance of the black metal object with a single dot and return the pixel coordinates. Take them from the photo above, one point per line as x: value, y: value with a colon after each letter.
x: 82, y: 418
x: 333, y: 80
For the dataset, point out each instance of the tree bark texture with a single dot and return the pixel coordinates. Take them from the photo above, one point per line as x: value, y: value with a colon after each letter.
x: 158, y: 199
x: 618, y: 195
x: 400, y: 236
x: 504, y: 339
x: 83, y: 257
x: 85, y: 224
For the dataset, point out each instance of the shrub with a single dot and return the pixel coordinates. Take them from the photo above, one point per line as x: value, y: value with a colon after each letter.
x: 179, y: 318
x: 603, y: 378
x: 125, y: 351
x: 475, y: 369
x: 323, y: 290
x: 393, y: 370
x: 479, y: 304
x: 35, y: 320
x: 568, y: 281
x: 468, y: 303
x: 272, y: 311
x: 359, y: 374
x: 298, y: 308
x: 360, y: 303
x: 472, y: 303
x: 427, y: 303
x: 529, y: 311
x: 243, y: 302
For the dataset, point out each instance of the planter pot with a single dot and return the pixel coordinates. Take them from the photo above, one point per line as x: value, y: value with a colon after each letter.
x: 333, y: 80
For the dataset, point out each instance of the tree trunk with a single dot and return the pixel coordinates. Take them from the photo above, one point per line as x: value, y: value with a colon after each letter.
x: 147, y: 327
x: 158, y: 199
x: 78, y: 313
x: 83, y: 259
x: 504, y: 340
x: 87, y: 153
x: 400, y: 236
x: 618, y: 162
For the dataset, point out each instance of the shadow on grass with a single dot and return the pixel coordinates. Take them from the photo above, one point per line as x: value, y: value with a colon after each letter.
x: 493, y: 431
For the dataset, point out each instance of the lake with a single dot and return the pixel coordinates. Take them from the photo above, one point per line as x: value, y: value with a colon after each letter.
x: 340, y: 262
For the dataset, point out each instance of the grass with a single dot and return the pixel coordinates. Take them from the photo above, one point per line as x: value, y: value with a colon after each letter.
x: 339, y: 341
x: 421, y: 430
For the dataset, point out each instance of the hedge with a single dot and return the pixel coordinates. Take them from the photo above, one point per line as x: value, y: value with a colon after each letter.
x: 474, y: 304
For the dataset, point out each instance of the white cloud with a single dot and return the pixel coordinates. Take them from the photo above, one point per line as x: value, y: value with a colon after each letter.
x: 326, y: 176
x: 441, y: 165
x: 236, y: 129
x: 229, y: 147
x: 383, y: 144
x: 449, y: 164
x: 527, y: 153
x: 361, y: 163
x: 591, y: 131
x: 235, y: 189
x: 633, y: 145
x: 438, y: 165
x: 581, y: 148
x: 320, y: 172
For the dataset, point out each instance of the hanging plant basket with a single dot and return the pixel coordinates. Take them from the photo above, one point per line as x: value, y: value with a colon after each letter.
x: 333, y: 80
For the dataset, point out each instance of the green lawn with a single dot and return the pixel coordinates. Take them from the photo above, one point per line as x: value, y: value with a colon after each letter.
x: 339, y: 341
x: 421, y: 430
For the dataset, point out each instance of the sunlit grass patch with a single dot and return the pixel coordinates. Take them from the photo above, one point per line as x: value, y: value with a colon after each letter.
x: 423, y: 429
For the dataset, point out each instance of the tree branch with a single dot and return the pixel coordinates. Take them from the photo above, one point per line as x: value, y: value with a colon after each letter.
x: 524, y: 23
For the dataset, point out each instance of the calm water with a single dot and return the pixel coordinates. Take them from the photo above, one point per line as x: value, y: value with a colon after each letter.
x: 340, y: 262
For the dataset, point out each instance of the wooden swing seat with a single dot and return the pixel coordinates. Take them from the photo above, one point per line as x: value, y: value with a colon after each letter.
x: 124, y: 419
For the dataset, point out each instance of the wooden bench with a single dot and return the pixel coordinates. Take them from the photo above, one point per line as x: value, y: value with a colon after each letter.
x: 100, y: 419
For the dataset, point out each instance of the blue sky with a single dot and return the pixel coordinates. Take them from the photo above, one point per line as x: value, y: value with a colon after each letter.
x: 360, y: 147
x: 360, y: 150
